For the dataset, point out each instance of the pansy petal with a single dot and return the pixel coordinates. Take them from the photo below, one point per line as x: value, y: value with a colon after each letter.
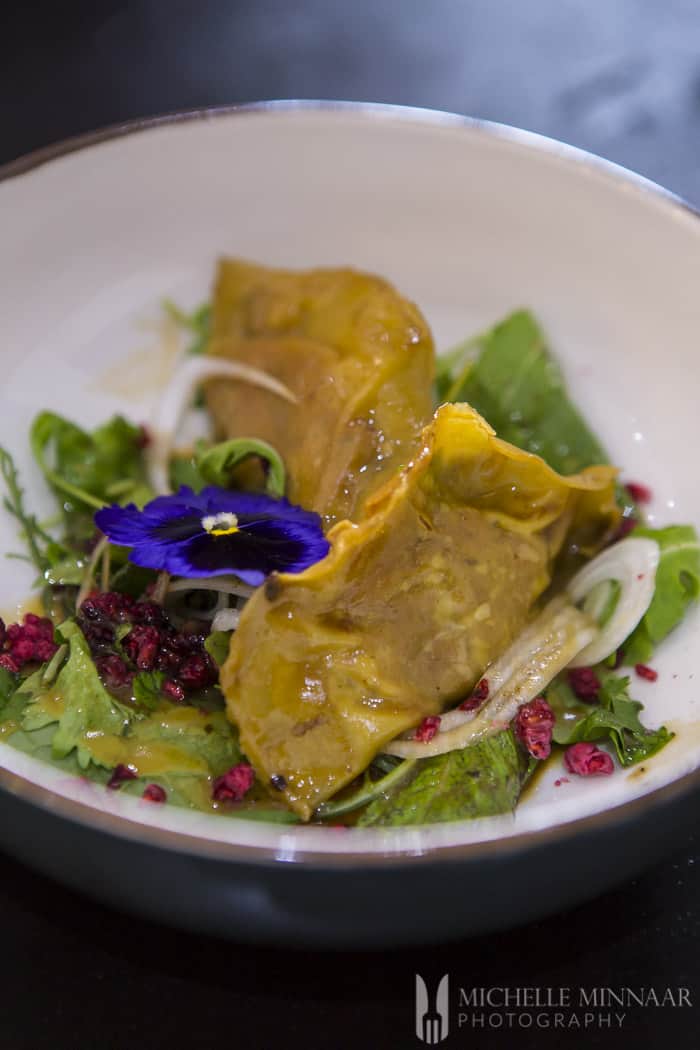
x: 255, y: 505
x: 124, y: 526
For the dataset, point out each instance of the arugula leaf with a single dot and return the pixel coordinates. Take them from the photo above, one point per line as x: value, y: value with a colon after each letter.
x: 198, y: 322
x: 479, y: 781
x: 216, y: 464
x: 91, y: 469
x: 78, y: 701
x: 518, y: 387
x: 43, y: 550
x: 614, y: 718
x: 217, y: 644
x: 677, y: 585
x: 8, y: 686
x: 147, y: 688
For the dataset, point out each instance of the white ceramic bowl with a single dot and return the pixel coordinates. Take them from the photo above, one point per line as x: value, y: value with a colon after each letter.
x: 469, y: 220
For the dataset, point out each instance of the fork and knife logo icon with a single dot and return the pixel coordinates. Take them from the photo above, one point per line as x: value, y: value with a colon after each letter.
x: 432, y: 1019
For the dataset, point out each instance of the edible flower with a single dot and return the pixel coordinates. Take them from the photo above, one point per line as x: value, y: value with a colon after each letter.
x: 217, y: 531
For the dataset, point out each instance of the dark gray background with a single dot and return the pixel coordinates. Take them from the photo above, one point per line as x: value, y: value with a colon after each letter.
x: 620, y: 77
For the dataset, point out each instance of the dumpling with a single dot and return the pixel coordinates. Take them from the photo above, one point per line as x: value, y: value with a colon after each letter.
x: 408, y: 609
x: 358, y: 356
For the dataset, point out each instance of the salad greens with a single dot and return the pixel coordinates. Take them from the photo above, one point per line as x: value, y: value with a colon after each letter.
x: 677, y: 586
x: 63, y: 712
x: 479, y: 781
x: 615, y: 718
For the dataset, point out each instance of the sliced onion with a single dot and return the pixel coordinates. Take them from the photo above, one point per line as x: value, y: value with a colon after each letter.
x: 555, y: 637
x: 178, y: 397
x: 632, y: 563
x: 224, y: 584
x: 226, y: 620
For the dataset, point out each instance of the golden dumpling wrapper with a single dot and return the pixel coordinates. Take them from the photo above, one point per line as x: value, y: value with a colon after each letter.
x: 408, y: 609
x: 359, y: 358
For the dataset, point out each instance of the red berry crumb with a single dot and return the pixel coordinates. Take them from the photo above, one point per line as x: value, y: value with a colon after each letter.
x: 585, y: 683
x: 560, y: 781
x: 28, y: 642
x: 587, y: 760
x: 533, y: 725
x: 120, y: 773
x: 645, y: 672
x: 9, y: 663
x: 234, y: 784
x: 427, y: 729
x: 154, y: 793
x: 479, y: 694
x: 639, y: 493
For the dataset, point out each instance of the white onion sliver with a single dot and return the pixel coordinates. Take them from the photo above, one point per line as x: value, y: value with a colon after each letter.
x: 632, y: 563
x: 562, y: 636
x: 226, y: 620
x: 224, y: 584
x: 180, y: 393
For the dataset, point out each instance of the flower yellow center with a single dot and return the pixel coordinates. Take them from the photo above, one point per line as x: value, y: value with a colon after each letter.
x: 222, y: 524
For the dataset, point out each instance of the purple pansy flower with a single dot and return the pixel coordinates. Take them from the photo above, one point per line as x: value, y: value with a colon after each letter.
x: 217, y: 531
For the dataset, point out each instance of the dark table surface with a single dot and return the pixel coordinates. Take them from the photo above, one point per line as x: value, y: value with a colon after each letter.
x: 619, y: 77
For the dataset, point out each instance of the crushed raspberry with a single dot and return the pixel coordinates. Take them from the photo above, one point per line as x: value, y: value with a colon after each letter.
x: 648, y: 673
x: 154, y: 793
x: 533, y: 725
x: 585, y: 683
x: 113, y: 671
x: 141, y: 646
x: 479, y: 694
x: 198, y: 671
x: 9, y: 663
x: 624, y: 528
x: 120, y: 773
x: 233, y: 785
x: 587, y: 760
x: 427, y: 729
x: 639, y: 493
x: 109, y: 606
x: 29, y: 642
x: 143, y: 438
x: 174, y: 690
x: 561, y: 780
x: 149, y: 613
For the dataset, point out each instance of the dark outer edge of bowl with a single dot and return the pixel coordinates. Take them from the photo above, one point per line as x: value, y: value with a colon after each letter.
x: 507, y: 846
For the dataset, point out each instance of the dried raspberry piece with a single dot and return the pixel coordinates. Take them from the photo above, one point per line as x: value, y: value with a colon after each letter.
x: 174, y: 690
x: 479, y: 694
x: 141, y: 646
x: 639, y: 493
x: 154, y: 793
x: 30, y: 641
x: 624, y: 528
x: 233, y: 785
x: 587, y: 760
x: 427, y: 729
x: 113, y: 671
x: 585, y: 683
x: 648, y: 673
x: 120, y: 773
x: 533, y: 726
x: 110, y: 605
x: 9, y: 663
x: 149, y: 613
x: 198, y: 672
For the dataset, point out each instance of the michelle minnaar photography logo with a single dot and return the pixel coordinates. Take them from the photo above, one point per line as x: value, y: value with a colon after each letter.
x: 432, y: 1013
x: 535, y: 1007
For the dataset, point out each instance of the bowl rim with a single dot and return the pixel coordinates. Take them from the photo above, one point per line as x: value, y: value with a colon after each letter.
x: 509, y: 845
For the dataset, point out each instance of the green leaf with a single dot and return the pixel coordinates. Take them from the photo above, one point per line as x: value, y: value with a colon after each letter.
x: 90, y: 468
x: 147, y: 687
x: 518, y: 387
x: 77, y: 701
x: 217, y: 644
x: 217, y: 463
x: 198, y: 322
x: 8, y: 686
x: 479, y: 781
x: 677, y: 586
x: 43, y: 550
x: 614, y: 718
